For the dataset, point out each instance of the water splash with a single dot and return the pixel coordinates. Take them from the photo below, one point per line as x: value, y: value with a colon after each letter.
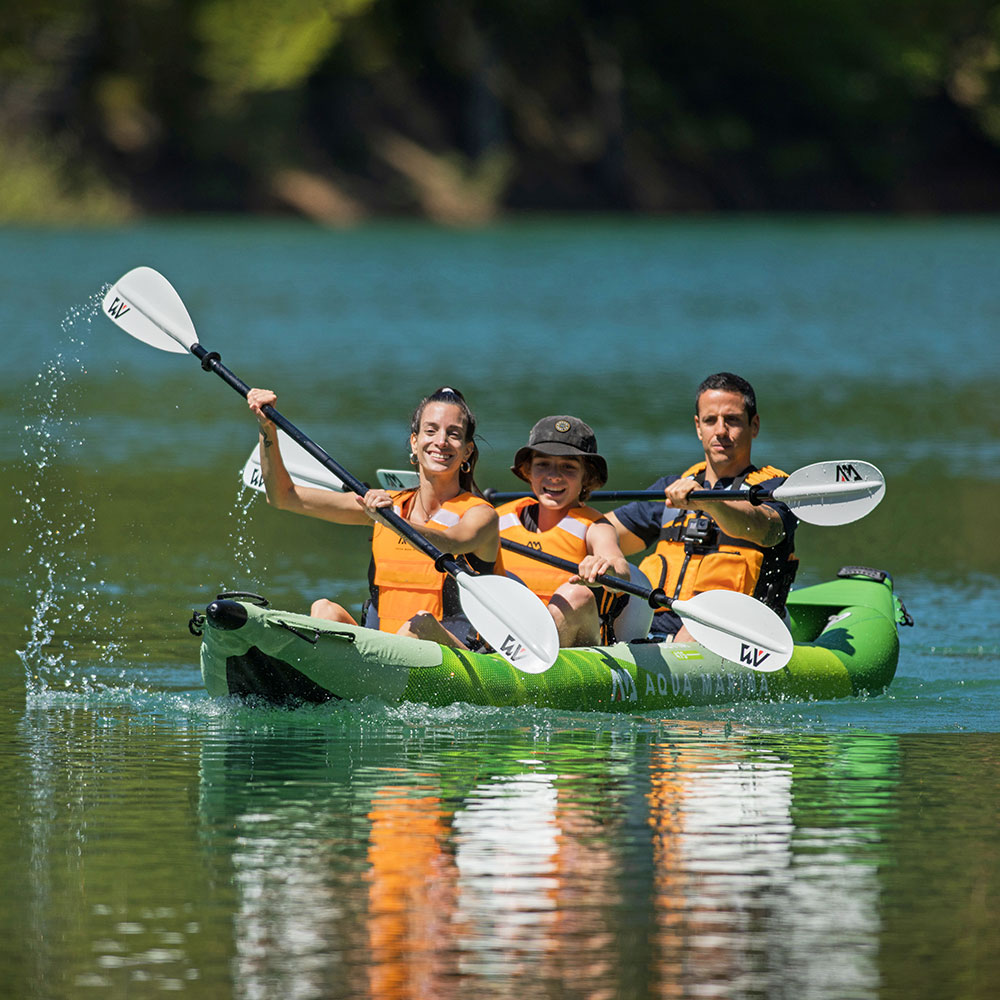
x: 241, y: 538
x: 68, y: 593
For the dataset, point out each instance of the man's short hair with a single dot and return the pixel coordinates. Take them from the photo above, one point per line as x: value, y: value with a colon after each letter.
x: 728, y: 382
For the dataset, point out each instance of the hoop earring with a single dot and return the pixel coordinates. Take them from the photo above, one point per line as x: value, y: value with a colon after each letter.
x: 413, y: 458
x: 466, y: 467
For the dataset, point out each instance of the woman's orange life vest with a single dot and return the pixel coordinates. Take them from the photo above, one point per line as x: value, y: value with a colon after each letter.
x: 568, y: 539
x: 404, y: 581
x: 693, y: 554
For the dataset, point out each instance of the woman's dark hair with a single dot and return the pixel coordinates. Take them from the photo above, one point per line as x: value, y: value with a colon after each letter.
x: 446, y: 394
x: 728, y: 382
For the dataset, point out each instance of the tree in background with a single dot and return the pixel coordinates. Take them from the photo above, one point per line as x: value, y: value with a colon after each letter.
x: 462, y: 109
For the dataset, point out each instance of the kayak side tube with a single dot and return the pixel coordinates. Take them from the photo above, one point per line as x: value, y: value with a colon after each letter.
x: 845, y: 632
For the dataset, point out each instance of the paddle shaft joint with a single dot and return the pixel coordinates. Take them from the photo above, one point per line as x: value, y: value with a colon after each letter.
x: 209, y: 359
x: 447, y: 563
x: 658, y: 598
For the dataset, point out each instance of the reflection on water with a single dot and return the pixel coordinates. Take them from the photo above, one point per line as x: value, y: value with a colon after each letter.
x: 176, y: 844
x: 686, y: 862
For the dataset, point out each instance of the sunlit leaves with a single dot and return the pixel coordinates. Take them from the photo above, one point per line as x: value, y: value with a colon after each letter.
x: 260, y: 45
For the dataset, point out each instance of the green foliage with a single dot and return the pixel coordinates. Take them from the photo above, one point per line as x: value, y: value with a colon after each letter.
x: 401, y: 105
x: 260, y: 45
x: 39, y: 185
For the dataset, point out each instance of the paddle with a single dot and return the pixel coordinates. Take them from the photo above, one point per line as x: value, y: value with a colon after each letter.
x: 826, y: 493
x: 306, y: 471
x: 301, y: 466
x: 733, y: 625
x: 507, y: 615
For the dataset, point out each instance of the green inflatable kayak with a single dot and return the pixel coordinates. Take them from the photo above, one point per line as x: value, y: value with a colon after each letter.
x: 845, y: 632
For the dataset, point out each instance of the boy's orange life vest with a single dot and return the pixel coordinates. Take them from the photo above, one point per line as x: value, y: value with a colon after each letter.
x: 568, y: 539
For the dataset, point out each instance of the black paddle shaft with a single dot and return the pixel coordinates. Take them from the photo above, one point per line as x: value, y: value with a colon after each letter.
x: 656, y: 598
x: 443, y: 562
x: 753, y: 494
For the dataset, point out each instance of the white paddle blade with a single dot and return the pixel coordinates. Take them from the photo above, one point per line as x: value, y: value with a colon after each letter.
x: 737, y: 627
x: 511, y: 619
x: 398, y: 479
x: 831, y: 493
x: 301, y: 466
x: 144, y: 304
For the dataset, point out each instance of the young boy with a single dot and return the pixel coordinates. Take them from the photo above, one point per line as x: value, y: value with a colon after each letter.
x: 561, y: 464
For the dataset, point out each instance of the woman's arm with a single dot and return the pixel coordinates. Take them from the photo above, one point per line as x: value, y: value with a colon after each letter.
x: 478, y: 531
x: 282, y: 492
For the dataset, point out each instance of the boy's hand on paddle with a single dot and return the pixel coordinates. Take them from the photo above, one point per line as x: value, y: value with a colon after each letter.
x: 593, y: 566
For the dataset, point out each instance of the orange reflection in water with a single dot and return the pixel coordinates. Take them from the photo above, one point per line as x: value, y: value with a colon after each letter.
x: 411, y: 897
x: 514, y: 887
x: 690, y: 945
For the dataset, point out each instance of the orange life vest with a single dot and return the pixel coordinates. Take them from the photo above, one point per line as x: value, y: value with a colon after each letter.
x: 404, y: 581
x: 568, y: 539
x: 693, y: 554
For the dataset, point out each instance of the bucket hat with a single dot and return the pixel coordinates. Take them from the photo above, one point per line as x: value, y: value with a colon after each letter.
x: 562, y: 435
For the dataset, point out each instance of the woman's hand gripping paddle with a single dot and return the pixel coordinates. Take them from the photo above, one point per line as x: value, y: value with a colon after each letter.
x: 508, y: 616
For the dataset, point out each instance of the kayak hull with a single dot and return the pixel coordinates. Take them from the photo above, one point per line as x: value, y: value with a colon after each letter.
x: 846, y: 644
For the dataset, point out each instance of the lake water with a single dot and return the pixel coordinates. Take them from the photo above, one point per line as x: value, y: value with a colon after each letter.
x: 156, y: 841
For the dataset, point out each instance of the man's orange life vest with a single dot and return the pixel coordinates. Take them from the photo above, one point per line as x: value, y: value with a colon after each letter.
x: 693, y: 554
x: 568, y: 539
x: 404, y: 581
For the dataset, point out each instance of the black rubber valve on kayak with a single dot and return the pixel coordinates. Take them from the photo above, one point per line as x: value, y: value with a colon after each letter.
x: 226, y: 615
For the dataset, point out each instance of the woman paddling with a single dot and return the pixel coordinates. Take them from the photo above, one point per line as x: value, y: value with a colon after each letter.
x: 409, y: 595
x: 562, y: 466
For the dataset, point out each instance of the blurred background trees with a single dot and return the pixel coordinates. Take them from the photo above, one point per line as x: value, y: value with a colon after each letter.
x: 460, y: 110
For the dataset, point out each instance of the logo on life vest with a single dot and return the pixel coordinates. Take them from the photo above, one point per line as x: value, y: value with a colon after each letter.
x: 535, y: 545
x: 848, y: 474
x: 752, y: 655
x: 118, y: 307
x: 511, y: 648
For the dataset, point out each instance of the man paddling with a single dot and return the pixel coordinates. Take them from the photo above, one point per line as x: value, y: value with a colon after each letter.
x: 714, y: 544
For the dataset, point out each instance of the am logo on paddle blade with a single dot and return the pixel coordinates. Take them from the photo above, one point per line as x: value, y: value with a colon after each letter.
x: 118, y: 307
x: 846, y: 473
x: 752, y: 655
x: 511, y: 648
